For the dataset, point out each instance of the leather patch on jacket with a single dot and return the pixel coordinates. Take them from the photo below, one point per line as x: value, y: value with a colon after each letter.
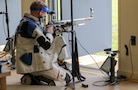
x: 36, y: 49
x: 26, y: 58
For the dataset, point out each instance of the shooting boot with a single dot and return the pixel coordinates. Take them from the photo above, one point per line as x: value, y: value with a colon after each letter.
x: 46, y: 80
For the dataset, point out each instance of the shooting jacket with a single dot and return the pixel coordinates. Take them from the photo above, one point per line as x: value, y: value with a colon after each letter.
x: 32, y: 43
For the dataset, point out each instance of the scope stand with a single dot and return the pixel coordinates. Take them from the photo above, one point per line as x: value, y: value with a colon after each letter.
x: 113, y: 62
x: 75, y: 61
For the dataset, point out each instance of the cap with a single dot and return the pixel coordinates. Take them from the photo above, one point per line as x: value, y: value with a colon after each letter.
x: 44, y: 9
x: 40, y: 5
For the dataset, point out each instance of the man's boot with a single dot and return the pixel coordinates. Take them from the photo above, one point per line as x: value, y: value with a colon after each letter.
x: 46, y: 80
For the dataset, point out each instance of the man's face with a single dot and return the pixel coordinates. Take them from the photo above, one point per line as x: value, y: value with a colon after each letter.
x: 42, y: 14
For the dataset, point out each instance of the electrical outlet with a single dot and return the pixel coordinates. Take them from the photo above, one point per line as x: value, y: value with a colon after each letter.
x: 133, y: 40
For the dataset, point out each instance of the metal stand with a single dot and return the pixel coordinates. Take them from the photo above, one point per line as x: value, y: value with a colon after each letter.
x: 75, y: 61
x: 7, y: 20
x: 113, y: 62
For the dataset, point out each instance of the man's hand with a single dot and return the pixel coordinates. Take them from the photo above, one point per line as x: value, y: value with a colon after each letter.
x: 50, y: 29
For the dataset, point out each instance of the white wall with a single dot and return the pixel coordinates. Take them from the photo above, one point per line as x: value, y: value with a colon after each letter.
x: 128, y: 26
x: 14, y: 13
x: 95, y: 35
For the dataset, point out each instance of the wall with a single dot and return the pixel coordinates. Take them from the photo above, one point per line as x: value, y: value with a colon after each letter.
x: 25, y: 6
x: 96, y: 34
x: 128, y: 26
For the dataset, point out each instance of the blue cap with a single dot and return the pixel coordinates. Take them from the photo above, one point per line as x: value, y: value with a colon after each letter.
x: 44, y: 9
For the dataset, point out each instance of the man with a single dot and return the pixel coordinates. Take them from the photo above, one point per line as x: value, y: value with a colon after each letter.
x: 36, y: 50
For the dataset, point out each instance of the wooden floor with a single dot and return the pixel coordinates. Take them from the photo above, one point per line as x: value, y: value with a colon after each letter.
x: 94, y: 80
